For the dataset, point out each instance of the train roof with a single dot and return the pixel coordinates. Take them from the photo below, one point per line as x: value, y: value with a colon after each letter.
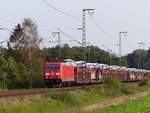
x: 97, y: 65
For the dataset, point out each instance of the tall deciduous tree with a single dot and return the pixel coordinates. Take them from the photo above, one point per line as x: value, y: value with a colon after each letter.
x: 24, y: 44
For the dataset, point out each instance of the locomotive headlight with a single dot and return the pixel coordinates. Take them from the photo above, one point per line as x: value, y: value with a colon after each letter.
x: 57, y: 73
x: 47, y: 74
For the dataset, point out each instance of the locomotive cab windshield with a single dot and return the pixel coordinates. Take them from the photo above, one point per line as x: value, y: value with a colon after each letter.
x: 51, y: 67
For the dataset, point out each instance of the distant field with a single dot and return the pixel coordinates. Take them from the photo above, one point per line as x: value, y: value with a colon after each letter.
x: 141, y: 105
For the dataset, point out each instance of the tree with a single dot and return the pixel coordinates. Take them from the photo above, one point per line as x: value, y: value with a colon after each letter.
x: 137, y: 59
x: 16, y: 43
x: 147, y: 60
x: 32, y: 43
x: 16, y: 38
x: 67, y: 52
x: 25, y: 39
x: 24, y: 44
x: 9, y: 72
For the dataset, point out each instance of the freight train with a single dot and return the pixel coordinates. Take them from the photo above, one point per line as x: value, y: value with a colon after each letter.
x: 79, y: 72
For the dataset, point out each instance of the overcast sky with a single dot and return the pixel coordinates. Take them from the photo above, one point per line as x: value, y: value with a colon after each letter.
x: 112, y: 15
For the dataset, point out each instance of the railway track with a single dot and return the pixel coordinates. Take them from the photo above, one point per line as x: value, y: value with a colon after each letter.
x: 24, y: 92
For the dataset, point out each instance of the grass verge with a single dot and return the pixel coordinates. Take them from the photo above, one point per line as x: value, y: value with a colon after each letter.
x: 61, y: 102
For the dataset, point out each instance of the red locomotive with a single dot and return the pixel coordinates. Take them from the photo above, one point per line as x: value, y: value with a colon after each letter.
x: 58, y: 73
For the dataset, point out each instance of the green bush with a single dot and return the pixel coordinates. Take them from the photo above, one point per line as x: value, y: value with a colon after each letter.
x: 2, y: 85
x: 96, y: 89
x: 65, y: 97
x: 113, y: 86
x: 127, y: 89
x: 144, y: 82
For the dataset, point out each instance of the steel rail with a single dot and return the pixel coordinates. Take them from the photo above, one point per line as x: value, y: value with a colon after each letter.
x: 24, y: 92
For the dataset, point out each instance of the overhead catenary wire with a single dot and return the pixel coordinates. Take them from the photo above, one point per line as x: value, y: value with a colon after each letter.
x: 107, y: 34
x: 102, y: 30
x: 4, y: 40
x: 4, y: 28
x: 110, y: 50
x: 66, y: 34
x: 60, y: 11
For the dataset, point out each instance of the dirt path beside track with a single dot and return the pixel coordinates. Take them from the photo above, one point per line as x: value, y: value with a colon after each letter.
x: 108, y: 103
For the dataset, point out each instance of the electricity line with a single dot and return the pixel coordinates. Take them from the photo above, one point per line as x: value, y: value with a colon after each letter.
x: 81, y: 43
x: 4, y: 28
x: 101, y: 29
x: 110, y: 50
x: 4, y: 41
x: 69, y: 36
x: 58, y: 10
